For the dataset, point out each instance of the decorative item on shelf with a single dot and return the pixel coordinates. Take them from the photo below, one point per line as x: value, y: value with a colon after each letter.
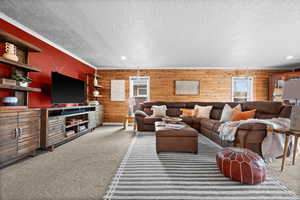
x: 70, y: 133
x: 291, y: 91
x: 95, y: 80
x: 22, y: 81
x: 10, y: 52
x: 82, y: 128
x: 96, y: 93
x: 10, y: 101
x: 93, y: 103
x: 6, y: 81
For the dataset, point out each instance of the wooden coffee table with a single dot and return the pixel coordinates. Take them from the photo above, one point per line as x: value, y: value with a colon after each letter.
x: 169, y: 139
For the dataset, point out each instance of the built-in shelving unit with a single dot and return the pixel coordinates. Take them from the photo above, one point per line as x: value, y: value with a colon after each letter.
x: 91, y: 86
x: 20, y: 68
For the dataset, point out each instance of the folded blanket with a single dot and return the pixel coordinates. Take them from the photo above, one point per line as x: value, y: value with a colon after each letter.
x: 272, y: 145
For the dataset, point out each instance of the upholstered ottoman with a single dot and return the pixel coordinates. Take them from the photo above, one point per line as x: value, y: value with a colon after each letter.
x: 241, y: 165
x: 176, y: 140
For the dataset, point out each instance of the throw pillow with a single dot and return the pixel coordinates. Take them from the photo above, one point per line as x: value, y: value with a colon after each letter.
x: 238, y: 115
x: 159, y: 111
x: 202, y: 111
x: 227, y: 112
x: 187, y: 112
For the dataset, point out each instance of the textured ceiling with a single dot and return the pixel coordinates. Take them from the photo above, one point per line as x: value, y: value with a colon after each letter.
x: 167, y: 33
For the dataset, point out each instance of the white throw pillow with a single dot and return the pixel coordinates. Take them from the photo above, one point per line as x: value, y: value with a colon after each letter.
x: 227, y: 112
x: 202, y: 111
x: 159, y: 111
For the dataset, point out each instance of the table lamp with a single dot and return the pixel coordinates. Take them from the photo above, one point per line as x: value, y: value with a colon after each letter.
x: 291, y: 90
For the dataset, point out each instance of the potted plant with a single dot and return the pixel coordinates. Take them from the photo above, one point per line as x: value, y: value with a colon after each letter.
x: 23, y: 81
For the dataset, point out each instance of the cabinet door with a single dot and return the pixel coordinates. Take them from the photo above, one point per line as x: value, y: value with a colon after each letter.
x: 100, y: 114
x: 92, y: 120
x: 56, y: 130
x: 8, y: 137
x: 29, y: 126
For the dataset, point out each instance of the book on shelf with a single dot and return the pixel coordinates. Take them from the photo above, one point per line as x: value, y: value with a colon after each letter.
x: 70, y: 133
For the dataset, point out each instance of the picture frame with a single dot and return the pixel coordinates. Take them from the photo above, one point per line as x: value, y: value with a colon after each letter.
x: 187, y: 87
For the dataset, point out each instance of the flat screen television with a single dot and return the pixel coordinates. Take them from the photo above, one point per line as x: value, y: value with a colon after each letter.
x: 66, y: 89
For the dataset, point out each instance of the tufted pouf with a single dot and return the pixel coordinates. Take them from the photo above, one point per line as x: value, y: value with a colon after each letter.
x: 241, y: 165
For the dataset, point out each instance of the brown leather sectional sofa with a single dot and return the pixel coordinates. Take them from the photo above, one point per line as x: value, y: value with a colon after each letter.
x: 248, y: 135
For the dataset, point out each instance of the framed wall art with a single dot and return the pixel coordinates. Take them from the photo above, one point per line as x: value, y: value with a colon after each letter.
x: 186, y: 87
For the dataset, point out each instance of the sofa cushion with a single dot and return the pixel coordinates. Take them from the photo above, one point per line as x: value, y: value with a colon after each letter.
x: 210, y: 124
x: 173, y: 112
x: 253, y: 126
x: 187, y: 112
x: 196, y: 124
x: 151, y: 120
x: 216, y: 113
x: 188, y: 120
x: 263, y: 107
x: 159, y: 111
x: 227, y: 112
x: 238, y: 115
x: 285, y: 112
x: 203, y: 111
x: 265, y: 116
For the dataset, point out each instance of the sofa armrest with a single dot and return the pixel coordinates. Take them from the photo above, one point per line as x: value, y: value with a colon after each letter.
x: 251, y: 136
x: 140, y: 113
x: 253, y: 126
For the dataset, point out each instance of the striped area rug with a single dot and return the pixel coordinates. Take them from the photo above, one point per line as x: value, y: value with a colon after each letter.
x: 145, y: 175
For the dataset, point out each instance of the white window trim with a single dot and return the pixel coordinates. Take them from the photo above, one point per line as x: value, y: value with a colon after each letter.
x: 252, y: 86
x: 131, y: 88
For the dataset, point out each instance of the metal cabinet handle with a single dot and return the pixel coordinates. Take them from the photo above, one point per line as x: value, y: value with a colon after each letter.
x: 20, y: 132
x: 16, y: 132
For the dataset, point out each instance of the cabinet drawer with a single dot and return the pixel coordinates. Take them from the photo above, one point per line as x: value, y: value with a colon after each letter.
x: 55, y: 138
x: 29, y: 114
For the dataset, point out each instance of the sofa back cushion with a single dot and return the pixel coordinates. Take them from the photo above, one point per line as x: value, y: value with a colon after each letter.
x: 264, y: 109
x: 285, y: 112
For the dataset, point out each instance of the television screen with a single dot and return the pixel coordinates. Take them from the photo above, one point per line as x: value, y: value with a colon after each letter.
x: 66, y: 89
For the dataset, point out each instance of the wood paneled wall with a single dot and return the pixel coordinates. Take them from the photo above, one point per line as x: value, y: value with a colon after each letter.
x: 215, y: 85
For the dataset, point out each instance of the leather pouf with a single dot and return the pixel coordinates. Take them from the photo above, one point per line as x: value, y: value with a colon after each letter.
x: 241, y: 165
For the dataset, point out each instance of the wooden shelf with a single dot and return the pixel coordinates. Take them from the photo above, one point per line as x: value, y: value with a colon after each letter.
x: 97, y: 86
x: 83, y: 122
x: 97, y: 96
x: 19, y: 65
x: 14, y: 87
x: 21, y: 44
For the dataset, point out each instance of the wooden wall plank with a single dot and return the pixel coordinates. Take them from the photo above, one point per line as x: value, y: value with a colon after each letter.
x: 215, y: 85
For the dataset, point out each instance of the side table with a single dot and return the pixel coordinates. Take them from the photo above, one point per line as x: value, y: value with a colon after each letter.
x: 287, y: 133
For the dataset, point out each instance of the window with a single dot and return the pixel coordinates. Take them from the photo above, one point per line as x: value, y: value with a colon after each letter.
x: 139, y: 87
x: 242, y: 89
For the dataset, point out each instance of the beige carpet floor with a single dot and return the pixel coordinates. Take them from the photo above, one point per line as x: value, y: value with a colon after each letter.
x: 83, y: 168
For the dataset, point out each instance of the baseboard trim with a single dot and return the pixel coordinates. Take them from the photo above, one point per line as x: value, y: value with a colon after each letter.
x: 112, y: 124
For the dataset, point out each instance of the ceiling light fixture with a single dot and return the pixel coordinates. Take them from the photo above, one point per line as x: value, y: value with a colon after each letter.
x: 123, y: 58
x: 289, y: 57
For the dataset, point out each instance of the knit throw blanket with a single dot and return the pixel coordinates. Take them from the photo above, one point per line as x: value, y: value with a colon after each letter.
x: 272, y: 145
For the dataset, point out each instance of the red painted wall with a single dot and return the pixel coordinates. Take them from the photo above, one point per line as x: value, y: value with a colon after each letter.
x: 50, y: 59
